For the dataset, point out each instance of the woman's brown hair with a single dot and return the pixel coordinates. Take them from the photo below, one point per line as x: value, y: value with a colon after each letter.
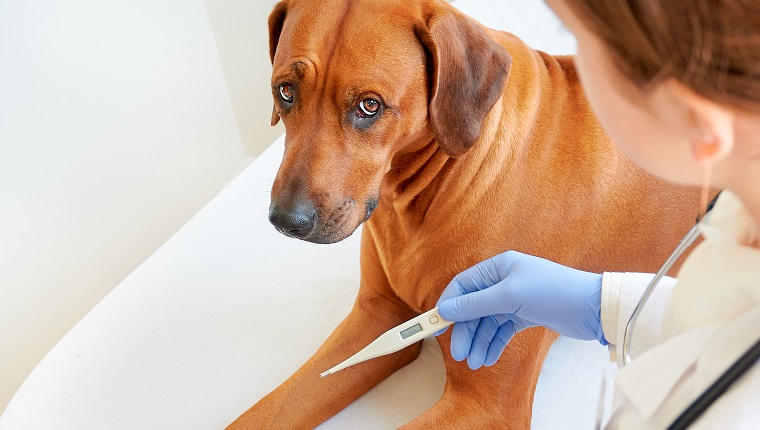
x: 711, y: 46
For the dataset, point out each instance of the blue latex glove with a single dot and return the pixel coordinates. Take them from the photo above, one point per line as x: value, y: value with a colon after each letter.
x: 496, y: 298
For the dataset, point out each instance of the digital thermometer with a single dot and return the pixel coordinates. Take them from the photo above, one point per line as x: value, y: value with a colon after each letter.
x: 396, y: 339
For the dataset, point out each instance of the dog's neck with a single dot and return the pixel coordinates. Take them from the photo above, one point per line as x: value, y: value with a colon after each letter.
x: 413, y: 175
x: 422, y: 172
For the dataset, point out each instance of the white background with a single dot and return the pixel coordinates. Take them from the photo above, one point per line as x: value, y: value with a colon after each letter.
x: 118, y: 122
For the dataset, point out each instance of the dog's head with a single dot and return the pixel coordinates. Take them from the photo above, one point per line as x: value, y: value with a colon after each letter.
x: 355, y: 81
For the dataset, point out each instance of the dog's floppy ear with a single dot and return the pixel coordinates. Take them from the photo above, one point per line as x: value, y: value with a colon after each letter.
x: 467, y: 73
x: 276, y: 21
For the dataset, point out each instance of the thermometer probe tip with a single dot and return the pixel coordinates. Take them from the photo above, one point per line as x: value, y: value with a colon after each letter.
x: 325, y: 373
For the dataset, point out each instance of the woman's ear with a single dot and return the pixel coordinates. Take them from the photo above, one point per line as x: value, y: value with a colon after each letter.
x: 708, y: 125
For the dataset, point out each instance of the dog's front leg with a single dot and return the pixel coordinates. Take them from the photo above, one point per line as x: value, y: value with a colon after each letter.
x: 495, y: 397
x: 304, y: 400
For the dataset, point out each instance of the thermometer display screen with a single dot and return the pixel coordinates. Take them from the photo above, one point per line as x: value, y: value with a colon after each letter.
x: 411, y: 331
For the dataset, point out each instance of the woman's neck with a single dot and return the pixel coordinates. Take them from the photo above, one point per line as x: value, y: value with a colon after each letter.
x: 750, y: 198
x: 741, y: 169
x: 744, y: 176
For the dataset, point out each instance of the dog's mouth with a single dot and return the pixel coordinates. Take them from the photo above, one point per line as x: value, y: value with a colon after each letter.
x: 321, y: 228
x: 370, y: 205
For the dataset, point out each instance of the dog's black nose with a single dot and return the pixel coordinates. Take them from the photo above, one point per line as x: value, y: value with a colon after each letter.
x: 295, y: 219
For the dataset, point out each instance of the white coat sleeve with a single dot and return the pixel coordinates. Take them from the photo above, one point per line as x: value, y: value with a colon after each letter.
x: 620, y: 295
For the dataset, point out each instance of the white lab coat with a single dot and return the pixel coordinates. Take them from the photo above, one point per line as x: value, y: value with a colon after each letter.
x: 691, y: 330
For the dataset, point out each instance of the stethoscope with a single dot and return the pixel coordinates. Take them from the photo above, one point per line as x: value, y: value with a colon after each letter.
x: 685, y: 243
x: 734, y: 372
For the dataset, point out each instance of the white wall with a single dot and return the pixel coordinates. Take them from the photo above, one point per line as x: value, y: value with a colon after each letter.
x: 115, y: 128
x: 240, y: 28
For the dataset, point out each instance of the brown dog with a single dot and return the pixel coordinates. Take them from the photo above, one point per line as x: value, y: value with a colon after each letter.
x: 462, y: 143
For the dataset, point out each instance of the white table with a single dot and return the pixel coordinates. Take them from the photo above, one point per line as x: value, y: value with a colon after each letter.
x: 228, y: 308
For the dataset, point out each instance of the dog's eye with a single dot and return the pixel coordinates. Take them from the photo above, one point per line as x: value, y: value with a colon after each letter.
x: 368, y: 108
x: 286, y: 93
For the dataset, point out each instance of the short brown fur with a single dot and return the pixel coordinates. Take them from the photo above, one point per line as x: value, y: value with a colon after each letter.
x: 539, y: 176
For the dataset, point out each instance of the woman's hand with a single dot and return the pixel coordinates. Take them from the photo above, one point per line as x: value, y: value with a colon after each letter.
x: 496, y: 298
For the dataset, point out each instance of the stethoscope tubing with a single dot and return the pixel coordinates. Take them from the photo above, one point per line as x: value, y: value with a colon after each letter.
x: 728, y: 377
x: 717, y: 388
x: 685, y: 243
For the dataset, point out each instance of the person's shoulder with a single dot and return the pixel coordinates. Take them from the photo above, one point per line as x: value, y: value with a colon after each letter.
x: 737, y: 408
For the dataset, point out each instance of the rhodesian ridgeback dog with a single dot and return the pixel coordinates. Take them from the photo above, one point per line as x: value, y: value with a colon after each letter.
x: 452, y: 143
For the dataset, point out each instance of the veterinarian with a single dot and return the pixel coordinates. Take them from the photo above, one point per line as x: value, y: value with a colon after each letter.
x: 677, y: 87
